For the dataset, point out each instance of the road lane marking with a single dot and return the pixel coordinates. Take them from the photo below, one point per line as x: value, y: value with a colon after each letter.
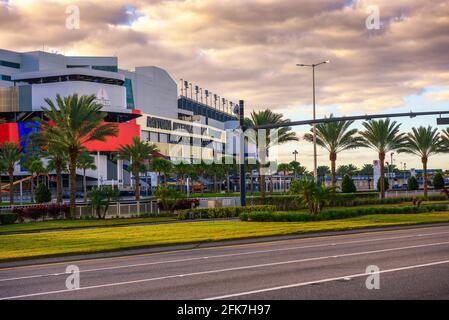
x: 302, y: 284
x: 221, y: 256
x: 222, y: 270
x: 324, y: 237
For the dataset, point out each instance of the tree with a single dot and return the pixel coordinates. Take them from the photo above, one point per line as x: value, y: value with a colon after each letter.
x: 284, y: 167
x: 85, y: 162
x: 161, y: 166
x: 335, y: 137
x: 445, y: 139
x: 57, y: 161
x: 2, y: 170
x: 323, y: 171
x: 272, y: 137
x: 312, y: 194
x: 367, y: 170
x: 386, y: 184
x: 100, y: 198
x: 43, y: 194
x: 35, y: 167
x: 10, y: 155
x: 438, y: 181
x: 349, y: 170
x: 139, y: 154
x: 297, y: 169
x: 182, y: 170
x: 347, y: 185
x: 382, y: 136
x: 73, y: 123
x: 412, y: 184
x: 423, y: 142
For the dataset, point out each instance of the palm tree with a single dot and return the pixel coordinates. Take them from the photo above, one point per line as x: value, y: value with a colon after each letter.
x: 161, y: 166
x: 35, y: 167
x: 139, y: 154
x: 2, y: 170
x: 85, y: 162
x: 335, y: 137
x: 367, y: 170
x: 182, y: 170
x: 284, y: 135
x: 57, y: 161
x: 349, y: 170
x: 297, y: 169
x: 423, y: 142
x: 382, y: 136
x: 445, y: 138
x: 323, y: 171
x: 10, y: 155
x: 73, y: 123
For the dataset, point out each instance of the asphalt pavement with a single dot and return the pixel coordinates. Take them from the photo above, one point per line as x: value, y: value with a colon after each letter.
x: 397, y: 264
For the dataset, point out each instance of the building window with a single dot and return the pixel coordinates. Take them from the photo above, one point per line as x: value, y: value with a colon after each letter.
x: 5, y: 77
x: 129, y: 94
x: 154, y: 137
x: 9, y: 64
x: 106, y: 68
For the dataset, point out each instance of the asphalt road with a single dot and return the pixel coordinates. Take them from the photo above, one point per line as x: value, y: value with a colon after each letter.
x: 412, y: 264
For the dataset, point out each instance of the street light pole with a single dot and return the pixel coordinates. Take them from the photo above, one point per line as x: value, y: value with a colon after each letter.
x: 295, y: 153
x: 315, y: 160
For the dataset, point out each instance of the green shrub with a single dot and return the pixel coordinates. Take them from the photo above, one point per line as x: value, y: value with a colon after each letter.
x: 412, y: 184
x: 224, y: 212
x: 8, y: 218
x: 387, y: 184
x: 42, y: 193
x: 333, y: 214
x: 348, y: 185
x: 438, y: 181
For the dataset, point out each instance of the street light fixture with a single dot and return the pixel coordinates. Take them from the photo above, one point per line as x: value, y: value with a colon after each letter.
x: 295, y: 153
x: 313, y: 66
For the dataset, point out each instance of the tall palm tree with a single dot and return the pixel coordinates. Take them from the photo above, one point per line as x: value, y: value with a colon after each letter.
x: 335, y: 137
x: 161, y: 166
x: 323, y: 171
x: 139, y: 154
x: 85, y: 162
x: 284, y: 135
x: 182, y: 170
x: 423, y: 142
x: 382, y: 136
x: 71, y: 124
x: 349, y: 169
x: 10, y: 155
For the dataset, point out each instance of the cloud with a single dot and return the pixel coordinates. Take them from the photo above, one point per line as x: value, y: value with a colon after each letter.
x: 248, y: 49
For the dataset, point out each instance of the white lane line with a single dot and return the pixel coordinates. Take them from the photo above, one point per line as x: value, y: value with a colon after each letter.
x: 302, y: 284
x: 224, y: 256
x: 224, y: 270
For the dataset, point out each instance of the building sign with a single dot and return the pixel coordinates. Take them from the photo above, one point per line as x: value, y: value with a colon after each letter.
x: 103, y: 98
x: 159, y: 123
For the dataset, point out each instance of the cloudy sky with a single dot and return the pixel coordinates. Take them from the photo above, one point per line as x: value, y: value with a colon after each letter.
x: 248, y: 50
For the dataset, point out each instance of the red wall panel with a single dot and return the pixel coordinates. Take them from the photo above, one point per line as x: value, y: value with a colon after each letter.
x: 127, y: 131
x: 9, y: 132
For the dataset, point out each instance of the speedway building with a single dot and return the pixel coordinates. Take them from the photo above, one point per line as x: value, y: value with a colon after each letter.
x: 186, y: 122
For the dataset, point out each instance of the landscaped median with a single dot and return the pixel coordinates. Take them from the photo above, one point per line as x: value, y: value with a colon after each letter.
x: 58, y: 243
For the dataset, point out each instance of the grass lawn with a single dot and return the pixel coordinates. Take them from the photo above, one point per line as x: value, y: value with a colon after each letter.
x: 20, y: 246
x: 67, y: 224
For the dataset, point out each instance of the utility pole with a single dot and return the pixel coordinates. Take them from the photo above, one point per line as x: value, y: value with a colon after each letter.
x: 295, y: 153
x: 242, y: 154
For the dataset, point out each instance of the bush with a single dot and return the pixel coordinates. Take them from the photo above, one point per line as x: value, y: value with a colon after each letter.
x: 224, y: 212
x: 438, y: 181
x: 8, y: 218
x: 42, y: 193
x: 56, y: 210
x: 387, y: 184
x: 184, y: 204
x: 347, y: 185
x: 336, y: 213
x: 412, y: 184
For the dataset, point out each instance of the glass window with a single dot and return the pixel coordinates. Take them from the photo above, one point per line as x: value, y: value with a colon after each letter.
x: 129, y: 94
x: 10, y: 64
x: 106, y: 68
x: 5, y: 77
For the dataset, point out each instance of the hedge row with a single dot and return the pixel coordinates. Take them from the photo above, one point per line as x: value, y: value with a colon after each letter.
x: 336, y: 213
x: 224, y: 212
x: 289, y: 203
x: 8, y: 218
x: 42, y: 211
